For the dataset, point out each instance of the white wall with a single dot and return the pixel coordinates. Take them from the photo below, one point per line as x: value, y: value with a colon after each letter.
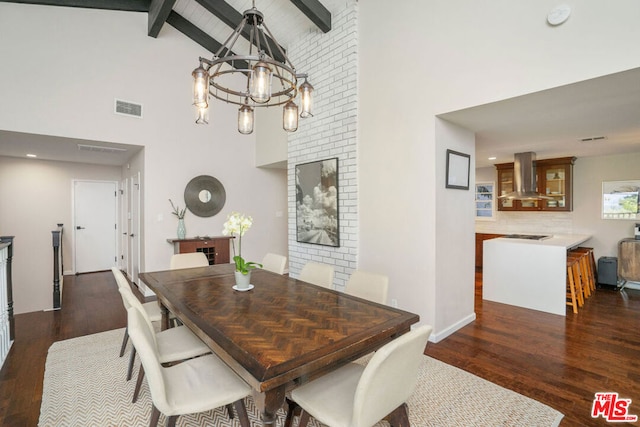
x: 80, y: 60
x: 35, y: 196
x: 453, y: 307
x: 431, y: 57
x: 271, y: 139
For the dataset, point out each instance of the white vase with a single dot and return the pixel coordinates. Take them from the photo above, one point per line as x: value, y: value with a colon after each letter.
x: 243, y: 280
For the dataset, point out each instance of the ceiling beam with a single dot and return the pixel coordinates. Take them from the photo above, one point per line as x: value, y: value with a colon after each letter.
x: 316, y: 12
x: 123, y: 5
x: 230, y: 16
x: 197, y: 35
x: 158, y: 13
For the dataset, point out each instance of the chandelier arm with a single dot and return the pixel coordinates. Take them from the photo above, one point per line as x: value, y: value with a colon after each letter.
x: 284, y: 55
x: 234, y: 35
x: 254, y: 28
x: 266, y: 43
x: 277, y: 69
x: 252, y: 32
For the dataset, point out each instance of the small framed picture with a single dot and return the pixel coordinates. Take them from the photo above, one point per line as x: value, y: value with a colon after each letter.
x: 458, y: 165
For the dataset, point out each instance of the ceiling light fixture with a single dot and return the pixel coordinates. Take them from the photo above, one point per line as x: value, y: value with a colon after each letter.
x: 266, y: 82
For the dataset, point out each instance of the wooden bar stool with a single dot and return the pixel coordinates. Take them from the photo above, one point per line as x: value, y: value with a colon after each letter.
x: 591, y: 263
x: 575, y: 261
x: 583, y: 261
x: 572, y: 295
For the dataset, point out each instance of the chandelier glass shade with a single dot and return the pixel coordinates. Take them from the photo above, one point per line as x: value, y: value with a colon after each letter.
x: 245, y: 120
x: 252, y: 80
x: 290, y: 117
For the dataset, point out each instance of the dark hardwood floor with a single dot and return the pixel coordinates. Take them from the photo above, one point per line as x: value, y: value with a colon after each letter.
x: 556, y: 360
x: 91, y: 304
x: 559, y: 361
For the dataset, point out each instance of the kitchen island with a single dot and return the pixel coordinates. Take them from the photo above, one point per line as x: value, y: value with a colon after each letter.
x: 528, y: 273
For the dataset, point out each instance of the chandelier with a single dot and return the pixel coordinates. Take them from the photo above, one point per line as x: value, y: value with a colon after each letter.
x: 252, y: 80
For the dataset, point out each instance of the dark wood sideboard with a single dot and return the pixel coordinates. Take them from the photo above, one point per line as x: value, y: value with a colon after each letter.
x: 215, y: 248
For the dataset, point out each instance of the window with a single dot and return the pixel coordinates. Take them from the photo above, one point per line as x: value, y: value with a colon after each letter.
x: 485, y: 200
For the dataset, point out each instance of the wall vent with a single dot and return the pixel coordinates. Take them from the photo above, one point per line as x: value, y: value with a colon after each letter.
x: 592, y: 138
x: 99, y: 149
x: 128, y: 108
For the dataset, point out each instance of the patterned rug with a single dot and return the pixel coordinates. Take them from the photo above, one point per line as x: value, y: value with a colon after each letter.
x: 84, y: 385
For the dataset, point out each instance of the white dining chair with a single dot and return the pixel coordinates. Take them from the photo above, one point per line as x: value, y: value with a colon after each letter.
x: 173, y: 344
x: 151, y: 308
x: 193, y: 386
x: 318, y: 274
x: 274, y: 263
x: 370, y: 286
x: 188, y: 260
x: 360, y: 396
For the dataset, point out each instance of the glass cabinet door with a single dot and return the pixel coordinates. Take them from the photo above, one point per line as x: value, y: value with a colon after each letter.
x: 555, y: 185
x: 505, y: 186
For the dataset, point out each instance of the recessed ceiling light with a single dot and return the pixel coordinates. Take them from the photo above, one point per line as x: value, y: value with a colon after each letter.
x: 492, y: 158
x: 32, y: 155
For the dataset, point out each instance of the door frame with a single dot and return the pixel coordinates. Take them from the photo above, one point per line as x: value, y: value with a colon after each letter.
x: 134, y: 226
x: 73, y: 217
x: 124, y: 226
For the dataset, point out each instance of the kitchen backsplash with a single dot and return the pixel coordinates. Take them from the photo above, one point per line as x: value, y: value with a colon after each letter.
x: 528, y: 223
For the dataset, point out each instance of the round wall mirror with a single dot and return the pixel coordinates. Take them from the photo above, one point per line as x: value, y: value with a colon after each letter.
x: 204, y: 196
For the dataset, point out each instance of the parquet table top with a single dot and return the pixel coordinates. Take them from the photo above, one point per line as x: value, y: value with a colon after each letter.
x: 281, y: 333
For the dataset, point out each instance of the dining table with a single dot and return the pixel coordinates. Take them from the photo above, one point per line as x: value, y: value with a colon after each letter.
x: 281, y: 333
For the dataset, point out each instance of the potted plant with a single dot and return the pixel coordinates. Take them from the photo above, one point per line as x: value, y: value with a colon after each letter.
x: 236, y: 225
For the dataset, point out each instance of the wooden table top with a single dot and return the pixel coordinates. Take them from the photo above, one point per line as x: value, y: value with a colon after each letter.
x: 282, y: 332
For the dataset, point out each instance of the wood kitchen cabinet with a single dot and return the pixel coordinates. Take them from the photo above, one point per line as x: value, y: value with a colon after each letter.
x: 480, y: 238
x: 553, y: 178
x: 215, y: 248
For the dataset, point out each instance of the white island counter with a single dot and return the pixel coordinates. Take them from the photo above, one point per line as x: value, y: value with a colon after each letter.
x: 528, y: 273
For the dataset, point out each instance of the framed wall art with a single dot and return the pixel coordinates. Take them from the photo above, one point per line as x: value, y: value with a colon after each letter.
x: 458, y: 165
x: 317, y: 203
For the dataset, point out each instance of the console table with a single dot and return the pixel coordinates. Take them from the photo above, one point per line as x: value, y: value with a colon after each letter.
x: 215, y: 248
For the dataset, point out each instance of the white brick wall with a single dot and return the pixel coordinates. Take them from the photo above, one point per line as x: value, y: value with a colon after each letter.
x: 331, y: 61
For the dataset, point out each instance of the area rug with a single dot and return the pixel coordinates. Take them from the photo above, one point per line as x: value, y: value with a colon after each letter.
x: 84, y: 385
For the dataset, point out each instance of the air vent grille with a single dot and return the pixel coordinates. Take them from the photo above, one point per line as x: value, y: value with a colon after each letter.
x: 592, y: 138
x: 128, y: 108
x: 99, y: 149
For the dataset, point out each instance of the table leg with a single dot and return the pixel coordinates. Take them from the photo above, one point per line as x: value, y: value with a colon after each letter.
x: 164, y: 323
x: 268, y: 404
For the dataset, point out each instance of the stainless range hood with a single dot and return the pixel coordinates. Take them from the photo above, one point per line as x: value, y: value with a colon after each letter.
x: 524, y: 178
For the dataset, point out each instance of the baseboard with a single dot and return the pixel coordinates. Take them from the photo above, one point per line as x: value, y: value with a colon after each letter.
x: 144, y: 289
x: 453, y: 328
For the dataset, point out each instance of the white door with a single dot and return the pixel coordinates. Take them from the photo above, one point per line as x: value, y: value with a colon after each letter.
x: 94, y: 205
x: 133, y: 266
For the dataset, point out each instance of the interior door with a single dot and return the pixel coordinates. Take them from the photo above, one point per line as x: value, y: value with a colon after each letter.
x: 95, y: 213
